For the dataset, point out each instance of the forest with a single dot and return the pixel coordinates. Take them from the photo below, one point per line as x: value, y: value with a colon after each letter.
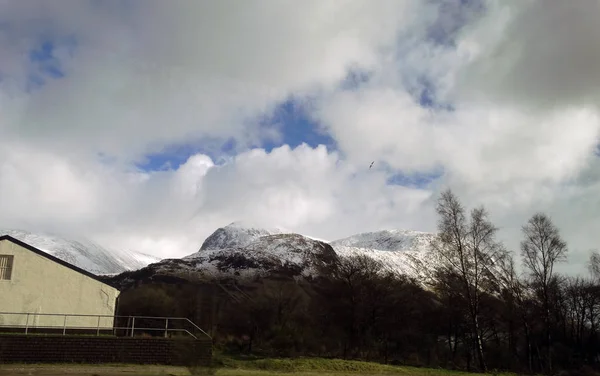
x: 482, y: 307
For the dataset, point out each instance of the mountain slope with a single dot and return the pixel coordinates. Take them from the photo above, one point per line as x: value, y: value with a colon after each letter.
x: 402, y: 251
x: 83, y: 253
x: 288, y: 254
x: 388, y: 240
x: 241, y: 250
x: 236, y: 235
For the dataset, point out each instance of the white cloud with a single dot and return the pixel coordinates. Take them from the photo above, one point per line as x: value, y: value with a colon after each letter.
x: 141, y: 76
x: 512, y: 143
x: 169, y: 213
x: 145, y: 74
x: 535, y: 54
x: 37, y: 186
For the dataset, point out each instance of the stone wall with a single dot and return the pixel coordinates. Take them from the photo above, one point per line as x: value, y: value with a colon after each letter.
x: 82, y: 349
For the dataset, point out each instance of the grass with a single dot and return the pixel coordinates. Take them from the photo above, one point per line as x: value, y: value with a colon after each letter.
x: 90, y: 370
x: 322, y: 367
x: 225, y: 366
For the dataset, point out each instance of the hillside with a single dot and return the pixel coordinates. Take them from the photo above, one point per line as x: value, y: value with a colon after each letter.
x: 289, y: 255
x: 83, y: 253
x: 241, y: 250
x: 401, y: 251
x: 387, y: 240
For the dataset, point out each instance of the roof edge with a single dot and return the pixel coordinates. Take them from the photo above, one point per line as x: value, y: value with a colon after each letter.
x: 56, y: 260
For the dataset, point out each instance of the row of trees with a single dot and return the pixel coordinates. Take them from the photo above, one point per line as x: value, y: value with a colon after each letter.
x: 469, y: 254
x: 475, y: 311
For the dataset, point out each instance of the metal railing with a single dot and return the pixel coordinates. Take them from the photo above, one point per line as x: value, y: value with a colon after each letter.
x: 97, y: 324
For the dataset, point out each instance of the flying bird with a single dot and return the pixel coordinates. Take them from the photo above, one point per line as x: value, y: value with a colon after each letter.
x: 371, y: 164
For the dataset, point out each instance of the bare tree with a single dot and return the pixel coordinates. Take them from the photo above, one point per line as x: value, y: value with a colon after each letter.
x: 594, y: 265
x: 541, y: 249
x: 356, y: 273
x: 469, y: 250
x: 594, y: 293
x: 515, y: 294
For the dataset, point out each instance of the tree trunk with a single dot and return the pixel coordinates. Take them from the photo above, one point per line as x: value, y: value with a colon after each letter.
x: 529, y: 349
x: 477, y: 341
x: 549, y: 340
x: 479, y: 346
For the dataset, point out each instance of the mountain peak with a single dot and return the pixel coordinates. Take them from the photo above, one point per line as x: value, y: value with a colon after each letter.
x: 237, y: 235
x: 283, y: 254
x: 247, y: 225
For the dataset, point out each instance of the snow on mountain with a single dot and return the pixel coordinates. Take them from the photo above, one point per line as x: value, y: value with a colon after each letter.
x: 244, y: 249
x: 402, y: 251
x: 388, y: 240
x: 410, y: 263
x: 83, y: 253
x: 292, y: 254
x: 236, y: 235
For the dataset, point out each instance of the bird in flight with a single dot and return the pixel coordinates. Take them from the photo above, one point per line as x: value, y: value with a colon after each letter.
x: 371, y: 164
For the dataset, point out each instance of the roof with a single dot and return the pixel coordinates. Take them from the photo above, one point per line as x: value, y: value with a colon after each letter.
x: 55, y: 259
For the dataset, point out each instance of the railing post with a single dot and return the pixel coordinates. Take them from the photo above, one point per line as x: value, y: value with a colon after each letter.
x: 132, y: 325
x: 166, y: 327
x: 27, y: 324
x: 98, y: 328
x: 65, y: 326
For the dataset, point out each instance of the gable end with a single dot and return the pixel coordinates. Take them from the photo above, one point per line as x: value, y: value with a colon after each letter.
x: 55, y: 259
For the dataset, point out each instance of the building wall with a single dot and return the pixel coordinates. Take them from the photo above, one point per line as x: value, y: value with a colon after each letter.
x: 40, y: 285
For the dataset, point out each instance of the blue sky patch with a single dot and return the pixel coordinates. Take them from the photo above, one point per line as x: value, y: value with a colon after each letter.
x: 43, y: 58
x: 172, y: 157
x: 354, y: 79
x: 296, y: 126
x: 453, y: 15
x: 425, y: 93
x: 416, y: 179
x: 291, y: 118
x: 44, y: 62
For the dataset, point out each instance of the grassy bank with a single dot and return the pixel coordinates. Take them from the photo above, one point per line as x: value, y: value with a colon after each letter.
x: 318, y: 366
x: 226, y: 366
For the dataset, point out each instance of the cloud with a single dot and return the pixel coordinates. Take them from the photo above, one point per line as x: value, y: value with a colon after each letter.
x: 493, y: 99
x: 535, y: 59
x: 145, y: 74
x: 170, y: 212
x: 36, y: 185
x: 504, y: 141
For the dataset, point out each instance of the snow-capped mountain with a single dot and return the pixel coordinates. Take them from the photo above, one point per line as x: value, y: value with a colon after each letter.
x: 83, y: 253
x: 402, y: 251
x: 290, y: 254
x: 237, y: 235
x: 243, y: 250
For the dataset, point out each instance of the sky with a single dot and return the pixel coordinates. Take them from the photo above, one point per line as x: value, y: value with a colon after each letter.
x: 148, y: 124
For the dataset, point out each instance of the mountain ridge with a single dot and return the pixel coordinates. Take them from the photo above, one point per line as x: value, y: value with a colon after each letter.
x: 243, y: 249
x: 84, y: 253
x: 238, y: 251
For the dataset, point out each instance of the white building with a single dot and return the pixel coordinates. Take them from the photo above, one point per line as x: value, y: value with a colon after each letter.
x: 33, y: 283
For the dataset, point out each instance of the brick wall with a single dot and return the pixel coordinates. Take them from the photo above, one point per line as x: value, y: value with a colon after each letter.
x: 73, y: 349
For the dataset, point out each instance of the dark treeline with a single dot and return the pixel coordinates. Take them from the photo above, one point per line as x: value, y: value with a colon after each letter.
x: 475, y: 311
